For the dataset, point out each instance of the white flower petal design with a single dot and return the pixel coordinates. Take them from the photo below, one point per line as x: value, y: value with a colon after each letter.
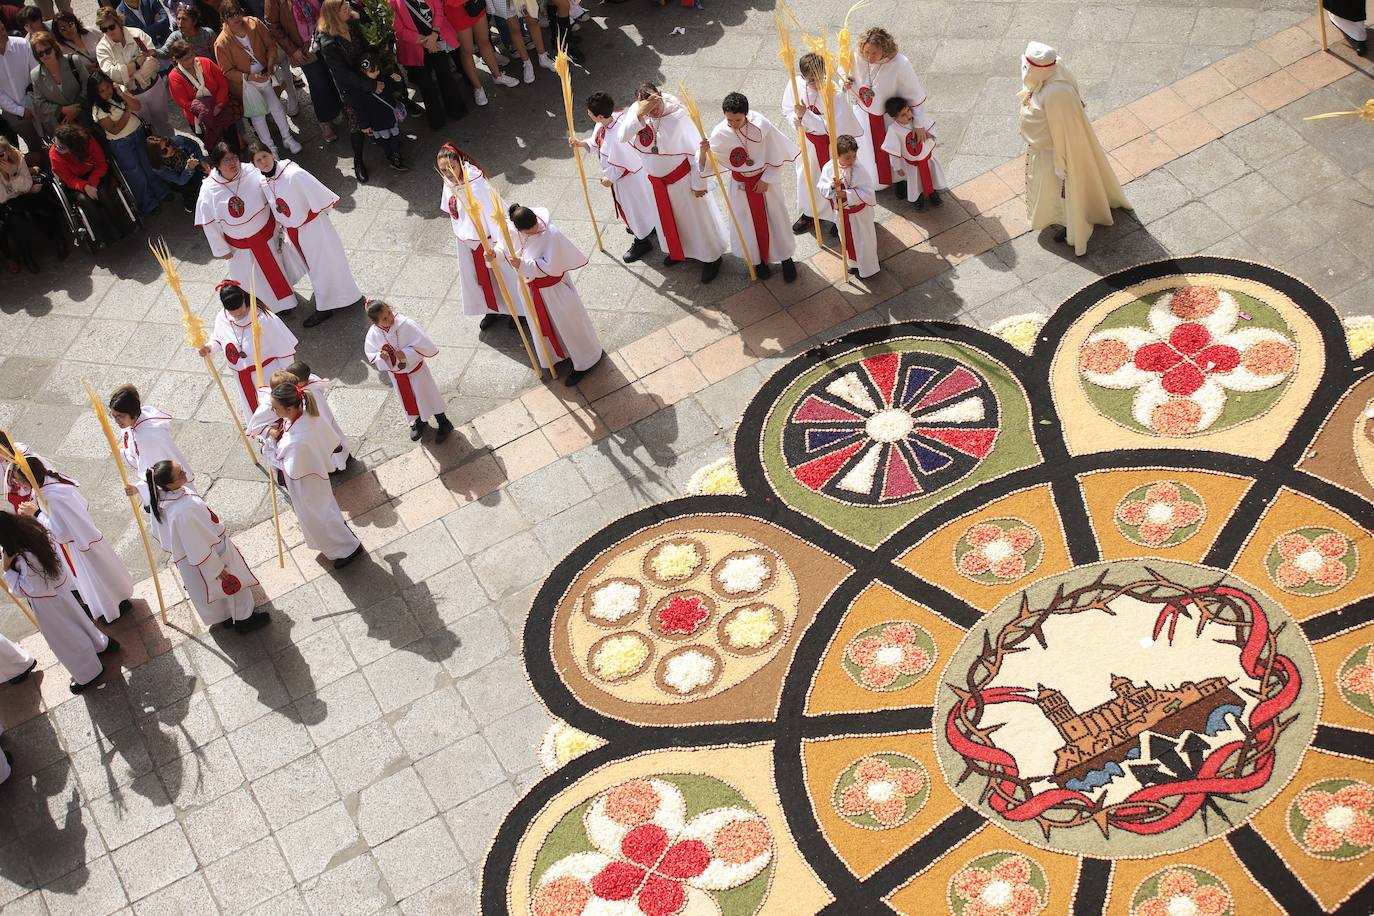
x: 721, y: 875
x: 965, y: 411
x: 598, y: 907
x: 850, y: 388
x: 688, y: 671
x: 860, y: 477
x: 1128, y: 376
x: 607, y: 834
x: 1241, y: 378
x: 1210, y: 398
x: 1220, y: 322
x: 583, y: 865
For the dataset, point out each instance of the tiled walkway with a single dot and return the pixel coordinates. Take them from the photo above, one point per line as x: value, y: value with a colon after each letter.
x: 357, y: 754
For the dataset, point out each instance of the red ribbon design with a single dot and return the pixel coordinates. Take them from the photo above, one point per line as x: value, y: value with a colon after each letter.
x: 758, y: 210
x: 257, y: 243
x: 542, y: 311
x: 821, y: 143
x: 407, y: 391
x: 294, y: 232
x: 667, y: 221
x: 479, y: 264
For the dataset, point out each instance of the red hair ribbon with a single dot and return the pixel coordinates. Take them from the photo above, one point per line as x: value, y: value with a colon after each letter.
x: 225, y: 283
x: 300, y: 393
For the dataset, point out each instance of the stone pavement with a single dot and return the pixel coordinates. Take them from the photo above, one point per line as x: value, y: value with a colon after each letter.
x: 114, y: 321
x: 357, y: 754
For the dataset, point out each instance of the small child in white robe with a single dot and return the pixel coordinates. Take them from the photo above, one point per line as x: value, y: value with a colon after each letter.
x: 233, y: 336
x: 399, y: 347
x: 622, y: 174
x: 545, y: 257
x: 147, y: 433
x: 34, y: 571
x: 218, y: 581
x: 860, y: 196
x: 15, y: 662
x: 299, y: 373
x: 302, y: 446
x: 913, y: 158
x: 479, y: 286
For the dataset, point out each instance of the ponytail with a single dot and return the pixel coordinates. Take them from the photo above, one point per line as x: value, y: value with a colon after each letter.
x: 158, y: 476
x: 294, y: 396
x: 152, y: 496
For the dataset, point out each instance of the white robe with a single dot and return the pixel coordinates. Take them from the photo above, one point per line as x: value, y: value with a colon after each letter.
x: 302, y: 208
x: 547, y: 258
x: 874, y: 84
x: 304, y: 455
x: 480, y: 291
x: 634, y: 199
x: 263, y: 417
x: 757, y: 152
x: 14, y: 661
x: 247, y: 233
x: 101, y: 577
x: 234, y: 338
x: 861, y: 237
x: 414, y: 383
x: 908, y: 155
x: 817, y: 146
x: 688, y: 226
x: 71, y: 635
x: 194, y: 535
x: 149, y: 441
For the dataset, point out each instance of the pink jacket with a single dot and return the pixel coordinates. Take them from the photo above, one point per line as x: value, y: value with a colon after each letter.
x: 408, y: 50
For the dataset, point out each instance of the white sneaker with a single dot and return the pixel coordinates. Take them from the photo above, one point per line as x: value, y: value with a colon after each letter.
x: 479, y: 96
x: 528, y: 67
x: 292, y: 146
x: 546, y: 63
x: 504, y: 80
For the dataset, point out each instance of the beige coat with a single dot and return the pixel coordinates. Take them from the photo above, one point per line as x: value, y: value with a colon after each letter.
x: 234, y: 60
x: 1069, y: 181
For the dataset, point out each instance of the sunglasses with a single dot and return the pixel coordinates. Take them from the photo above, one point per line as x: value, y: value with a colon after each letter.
x: 108, y: 28
x: 43, y: 53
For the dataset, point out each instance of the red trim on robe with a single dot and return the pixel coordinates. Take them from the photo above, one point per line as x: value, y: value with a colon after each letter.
x: 666, y: 218
x: 262, y: 254
x: 545, y: 323
x: 758, y: 211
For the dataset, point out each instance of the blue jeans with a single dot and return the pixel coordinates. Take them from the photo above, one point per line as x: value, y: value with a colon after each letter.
x: 132, y: 157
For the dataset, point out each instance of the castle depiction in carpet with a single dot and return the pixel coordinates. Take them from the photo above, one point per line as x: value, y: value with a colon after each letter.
x: 1106, y: 733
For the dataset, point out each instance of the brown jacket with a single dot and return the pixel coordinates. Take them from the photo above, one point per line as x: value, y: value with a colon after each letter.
x: 286, y: 32
x: 235, y: 61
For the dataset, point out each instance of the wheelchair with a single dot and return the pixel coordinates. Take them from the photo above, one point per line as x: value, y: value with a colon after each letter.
x: 79, y: 225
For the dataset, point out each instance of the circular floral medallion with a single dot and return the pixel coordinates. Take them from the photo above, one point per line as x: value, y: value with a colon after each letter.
x: 1182, y: 891
x: 999, y: 883
x: 681, y: 615
x: 1193, y: 708
x: 890, y: 428
x: 1311, y: 561
x: 671, y: 844
x: 881, y: 791
x: 889, y: 656
x: 1355, y: 679
x: 1162, y: 514
x: 1188, y: 360
x: 998, y: 550
x: 613, y: 602
x: 1334, y: 819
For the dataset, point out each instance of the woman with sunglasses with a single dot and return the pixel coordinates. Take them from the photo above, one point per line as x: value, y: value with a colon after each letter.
x: 200, y: 39
x: 80, y: 165
x: 26, y: 211
x: 247, y: 54
x: 129, y: 56
x: 74, y: 38
x: 59, y: 85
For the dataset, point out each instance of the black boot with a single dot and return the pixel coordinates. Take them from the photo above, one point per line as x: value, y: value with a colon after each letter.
x: 443, y: 429
x: 789, y: 270
x: 393, y: 155
x: 803, y: 224
x: 935, y: 200
x: 417, y: 429
x: 638, y: 249
x: 763, y: 271
x: 575, y: 375
x: 921, y: 203
x: 359, y: 167
x: 710, y: 271
x: 1061, y: 235
x: 900, y: 188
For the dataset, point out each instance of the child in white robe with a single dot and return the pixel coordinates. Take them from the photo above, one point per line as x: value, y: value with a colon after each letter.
x: 545, y: 257
x: 218, y: 581
x: 233, y: 336
x: 923, y: 178
x: 398, y: 347
x: 808, y: 113
x: 147, y: 433
x: 35, y: 572
x: 880, y: 73
x: 15, y: 662
x: 860, y: 236
x: 101, y: 576
x: 622, y: 174
x: 754, y: 152
x: 477, y: 284
x: 301, y: 445
x: 299, y: 373
x: 690, y: 224
x: 302, y: 208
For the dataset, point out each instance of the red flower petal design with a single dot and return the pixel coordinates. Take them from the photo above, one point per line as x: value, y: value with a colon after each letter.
x: 644, y: 844
x: 661, y: 897
x: 684, y: 860
x: 617, y: 881
x: 1157, y: 357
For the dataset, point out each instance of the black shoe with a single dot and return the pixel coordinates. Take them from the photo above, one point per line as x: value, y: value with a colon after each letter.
x: 23, y: 676
x: 834, y: 231
x: 226, y: 624
x: 921, y: 204
x: 789, y: 270
x: 341, y: 563
x: 763, y: 270
x: 638, y: 249
x: 111, y: 646
x: 252, y: 622
x: 802, y: 225
x: 936, y: 200
x: 575, y: 375
x: 492, y: 319
x: 397, y: 163
x: 287, y: 314
x: 1061, y: 234
x: 442, y: 430
x: 1359, y: 46
x: 710, y: 270
x: 318, y: 318
x: 900, y: 188
x: 669, y: 262
x: 853, y: 271
x: 417, y: 429
x: 126, y: 606
x: 74, y: 687
x: 360, y: 171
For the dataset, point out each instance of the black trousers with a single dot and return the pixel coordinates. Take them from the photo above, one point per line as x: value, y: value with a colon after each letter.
x: 1347, y: 9
x: 438, y: 89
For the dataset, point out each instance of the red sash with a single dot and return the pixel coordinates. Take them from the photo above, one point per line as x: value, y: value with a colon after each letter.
x: 666, y: 219
x: 479, y: 264
x: 545, y: 324
x: 758, y: 211
x: 250, y: 390
x: 877, y: 131
x: 821, y: 143
x: 295, y: 234
x: 262, y: 253
x: 923, y: 167
x: 849, y: 231
x: 406, y: 391
x: 618, y: 211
